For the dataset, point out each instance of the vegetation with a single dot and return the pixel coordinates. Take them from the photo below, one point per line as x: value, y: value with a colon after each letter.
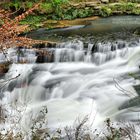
x: 80, y: 131
x: 10, y: 31
x: 69, y: 10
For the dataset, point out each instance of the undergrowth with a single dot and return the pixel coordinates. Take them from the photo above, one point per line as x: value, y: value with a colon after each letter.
x: 81, y: 130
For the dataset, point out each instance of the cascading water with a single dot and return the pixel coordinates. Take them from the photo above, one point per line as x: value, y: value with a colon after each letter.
x: 81, y: 81
x: 97, y: 53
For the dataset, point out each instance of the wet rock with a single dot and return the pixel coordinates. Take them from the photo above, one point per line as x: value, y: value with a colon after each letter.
x: 121, y: 45
x: 50, y: 45
x: 42, y: 45
x: 86, y: 45
x: 40, y: 58
x: 113, y: 47
x: 44, y: 56
x: 12, y: 85
x: 135, y: 102
x: 4, y: 67
x: 133, y: 44
x: 95, y: 48
x: 137, y: 88
x: 137, y: 31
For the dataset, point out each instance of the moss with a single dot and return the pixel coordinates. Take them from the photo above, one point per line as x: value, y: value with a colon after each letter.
x: 33, y: 21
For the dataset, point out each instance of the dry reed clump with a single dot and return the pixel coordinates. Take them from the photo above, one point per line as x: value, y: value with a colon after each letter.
x: 80, y: 131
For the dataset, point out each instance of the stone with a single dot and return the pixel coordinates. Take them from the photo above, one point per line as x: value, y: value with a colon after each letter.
x: 4, y: 67
x: 92, y: 4
x: 137, y: 31
x: 105, y: 1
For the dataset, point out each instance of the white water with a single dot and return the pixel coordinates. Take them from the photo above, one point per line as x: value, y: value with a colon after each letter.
x: 82, y: 84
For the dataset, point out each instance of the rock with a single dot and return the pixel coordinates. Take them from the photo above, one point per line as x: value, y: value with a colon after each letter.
x: 92, y: 4
x: 97, y: 7
x: 134, y: 102
x: 136, y: 1
x: 138, y: 5
x: 40, y: 57
x: 4, y: 67
x: 137, y: 32
x: 121, y: 45
x: 44, y: 56
x: 51, y: 22
x: 39, y: 46
x: 105, y: 1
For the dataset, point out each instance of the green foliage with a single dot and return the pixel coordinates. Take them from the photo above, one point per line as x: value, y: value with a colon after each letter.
x: 105, y: 11
x: 60, y: 9
x: 16, y: 5
x: 85, y: 12
x: 72, y: 13
x: 130, y: 6
x: 75, y: 13
x: 46, y: 8
x: 136, y: 11
x: 58, y: 2
x: 33, y: 21
x: 29, y: 4
x: 120, y: 7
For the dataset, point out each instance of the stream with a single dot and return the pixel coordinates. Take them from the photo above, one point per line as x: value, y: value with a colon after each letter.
x: 90, y: 75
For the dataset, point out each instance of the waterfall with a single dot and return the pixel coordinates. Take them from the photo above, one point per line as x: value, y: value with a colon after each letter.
x: 97, y: 53
x: 81, y: 81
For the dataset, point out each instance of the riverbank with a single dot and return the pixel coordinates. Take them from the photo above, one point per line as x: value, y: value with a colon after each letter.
x: 61, y: 14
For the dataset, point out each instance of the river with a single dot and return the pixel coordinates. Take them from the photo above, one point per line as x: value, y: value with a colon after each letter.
x: 93, y: 80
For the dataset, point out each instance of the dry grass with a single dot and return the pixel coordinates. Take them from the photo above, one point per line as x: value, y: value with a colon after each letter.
x: 81, y: 130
